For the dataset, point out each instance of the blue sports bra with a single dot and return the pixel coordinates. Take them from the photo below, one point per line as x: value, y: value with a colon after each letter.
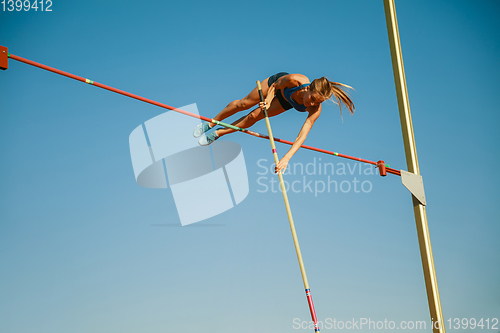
x: 287, y: 93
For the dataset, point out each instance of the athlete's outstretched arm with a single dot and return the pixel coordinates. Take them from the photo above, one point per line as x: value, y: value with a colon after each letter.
x: 304, y: 131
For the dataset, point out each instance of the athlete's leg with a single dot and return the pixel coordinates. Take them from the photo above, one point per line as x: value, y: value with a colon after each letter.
x: 250, y: 119
x: 242, y: 104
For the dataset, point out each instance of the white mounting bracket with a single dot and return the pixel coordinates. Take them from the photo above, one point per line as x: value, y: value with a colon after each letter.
x: 414, y: 184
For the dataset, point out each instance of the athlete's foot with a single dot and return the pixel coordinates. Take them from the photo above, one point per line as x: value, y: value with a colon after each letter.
x: 201, y: 128
x: 208, y: 139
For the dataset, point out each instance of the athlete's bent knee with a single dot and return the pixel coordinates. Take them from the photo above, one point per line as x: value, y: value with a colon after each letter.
x: 242, y: 104
x: 256, y: 115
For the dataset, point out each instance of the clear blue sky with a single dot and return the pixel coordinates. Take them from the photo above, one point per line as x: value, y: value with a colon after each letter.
x: 83, y: 248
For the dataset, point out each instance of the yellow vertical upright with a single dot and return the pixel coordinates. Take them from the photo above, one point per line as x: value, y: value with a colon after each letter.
x: 438, y: 325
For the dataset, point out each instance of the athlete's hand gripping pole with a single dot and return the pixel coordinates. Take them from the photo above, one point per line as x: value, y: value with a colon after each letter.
x: 289, y: 213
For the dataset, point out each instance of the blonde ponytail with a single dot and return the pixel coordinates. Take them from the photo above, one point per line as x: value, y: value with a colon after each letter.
x: 327, y: 89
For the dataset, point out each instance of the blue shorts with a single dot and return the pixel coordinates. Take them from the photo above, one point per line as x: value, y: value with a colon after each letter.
x: 272, y: 79
x: 275, y: 77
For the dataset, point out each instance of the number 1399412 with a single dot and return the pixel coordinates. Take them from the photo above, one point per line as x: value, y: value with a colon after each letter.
x: 26, y: 5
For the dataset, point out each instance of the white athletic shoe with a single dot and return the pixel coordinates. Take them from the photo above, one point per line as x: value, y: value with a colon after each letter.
x: 201, y: 128
x: 208, y: 139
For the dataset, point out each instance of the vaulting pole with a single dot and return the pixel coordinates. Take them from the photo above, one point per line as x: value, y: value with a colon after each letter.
x: 412, y: 164
x: 290, y: 218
